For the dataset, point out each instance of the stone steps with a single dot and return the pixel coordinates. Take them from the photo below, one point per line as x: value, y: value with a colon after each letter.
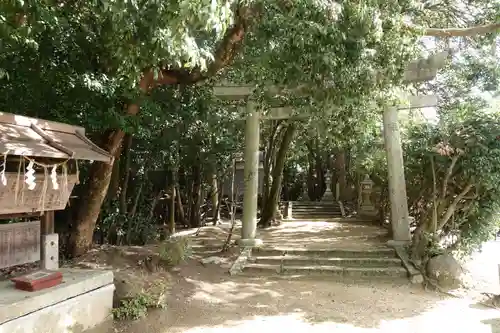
x: 313, y: 216
x: 298, y: 260
x: 315, y: 203
x: 380, y: 252
x: 321, y: 270
x: 358, y: 264
x: 315, y: 210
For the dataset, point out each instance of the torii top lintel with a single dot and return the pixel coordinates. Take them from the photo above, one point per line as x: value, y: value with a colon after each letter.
x: 419, y: 70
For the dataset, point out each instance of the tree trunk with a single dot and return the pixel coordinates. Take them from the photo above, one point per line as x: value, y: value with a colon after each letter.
x: 135, y: 204
x: 269, y: 160
x: 114, y: 182
x: 90, y: 203
x: 341, y: 174
x: 126, y: 173
x: 132, y: 213
x: 152, y: 209
x: 100, y: 175
x: 180, y: 207
x: 215, y: 198
x: 194, y: 212
x: 269, y: 210
x: 171, y: 216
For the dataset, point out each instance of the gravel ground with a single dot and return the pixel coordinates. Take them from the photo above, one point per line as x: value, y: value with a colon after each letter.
x: 206, y: 300
x: 483, y: 269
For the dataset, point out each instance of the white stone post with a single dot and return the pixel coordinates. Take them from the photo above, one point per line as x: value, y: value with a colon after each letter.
x: 397, y: 185
x: 50, y: 252
x: 251, y: 179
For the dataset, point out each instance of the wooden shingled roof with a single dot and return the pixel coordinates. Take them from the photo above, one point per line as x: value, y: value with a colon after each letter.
x: 25, y: 136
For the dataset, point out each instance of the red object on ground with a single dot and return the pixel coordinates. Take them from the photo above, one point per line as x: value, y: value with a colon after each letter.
x: 37, y: 280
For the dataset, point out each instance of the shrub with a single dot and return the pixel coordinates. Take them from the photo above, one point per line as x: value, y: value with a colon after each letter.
x: 175, y: 250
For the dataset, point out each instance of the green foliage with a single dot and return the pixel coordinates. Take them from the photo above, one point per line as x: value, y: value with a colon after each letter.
x: 465, y: 160
x: 175, y: 250
x: 119, y: 38
x: 135, y: 308
x: 80, y: 63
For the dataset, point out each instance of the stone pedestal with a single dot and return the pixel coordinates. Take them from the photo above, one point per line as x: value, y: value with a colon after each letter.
x: 251, y: 185
x: 397, y: 185
x: 328, y: 196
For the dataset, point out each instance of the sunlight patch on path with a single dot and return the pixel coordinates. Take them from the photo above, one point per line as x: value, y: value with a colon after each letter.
x: 452, y: 315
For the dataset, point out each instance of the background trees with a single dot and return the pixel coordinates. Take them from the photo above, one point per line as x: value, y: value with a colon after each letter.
x: 130, y: 72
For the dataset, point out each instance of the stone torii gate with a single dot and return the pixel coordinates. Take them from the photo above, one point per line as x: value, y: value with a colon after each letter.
x: 418, y: 71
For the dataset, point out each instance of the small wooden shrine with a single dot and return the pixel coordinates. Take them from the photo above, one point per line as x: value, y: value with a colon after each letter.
x: 38, y: 170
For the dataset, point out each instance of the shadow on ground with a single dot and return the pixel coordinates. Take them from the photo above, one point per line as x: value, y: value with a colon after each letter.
x: 206, y: 299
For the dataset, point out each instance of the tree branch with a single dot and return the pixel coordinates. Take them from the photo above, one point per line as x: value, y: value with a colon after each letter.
x: 448, y: 175
x: 223, y: 56
x: 434, y: 196
x: 460, y: 32
x: 452, y: 207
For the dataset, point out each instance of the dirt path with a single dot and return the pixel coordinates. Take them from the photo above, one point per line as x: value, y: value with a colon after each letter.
x: 207, y: 300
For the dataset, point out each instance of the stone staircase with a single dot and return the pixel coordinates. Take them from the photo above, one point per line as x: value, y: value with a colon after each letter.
x: 311, y: 210
x: 378, y: 263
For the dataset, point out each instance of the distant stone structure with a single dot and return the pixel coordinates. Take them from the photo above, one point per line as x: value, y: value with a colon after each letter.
x: 239, y: 178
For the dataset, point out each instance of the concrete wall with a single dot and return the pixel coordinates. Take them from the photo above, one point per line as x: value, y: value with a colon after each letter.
x: 83, y: 301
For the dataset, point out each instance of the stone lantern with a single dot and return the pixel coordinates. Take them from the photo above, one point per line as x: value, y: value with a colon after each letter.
x: 305, y: 191
x: 328, y: 196
x: 366, y: 206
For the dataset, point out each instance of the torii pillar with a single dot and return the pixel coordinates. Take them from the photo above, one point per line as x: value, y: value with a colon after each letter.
x: 251, y: 178
x: 418, y: 71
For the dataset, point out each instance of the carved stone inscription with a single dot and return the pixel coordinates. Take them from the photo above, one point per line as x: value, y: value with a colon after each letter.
x: 19, y: 243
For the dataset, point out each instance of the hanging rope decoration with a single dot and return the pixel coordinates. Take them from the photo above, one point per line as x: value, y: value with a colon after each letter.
x: 50, y: 173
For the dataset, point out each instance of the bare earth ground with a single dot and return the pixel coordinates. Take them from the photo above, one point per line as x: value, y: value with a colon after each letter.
x: 204, y: 298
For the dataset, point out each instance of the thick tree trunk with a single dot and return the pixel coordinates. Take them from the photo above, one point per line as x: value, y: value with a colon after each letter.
x: 90, y: 203
x: 269, y: 210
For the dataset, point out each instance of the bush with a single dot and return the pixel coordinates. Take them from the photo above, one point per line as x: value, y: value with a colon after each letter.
x: 452, y: 179
x: 134, y: 308
x: 175, y: 250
